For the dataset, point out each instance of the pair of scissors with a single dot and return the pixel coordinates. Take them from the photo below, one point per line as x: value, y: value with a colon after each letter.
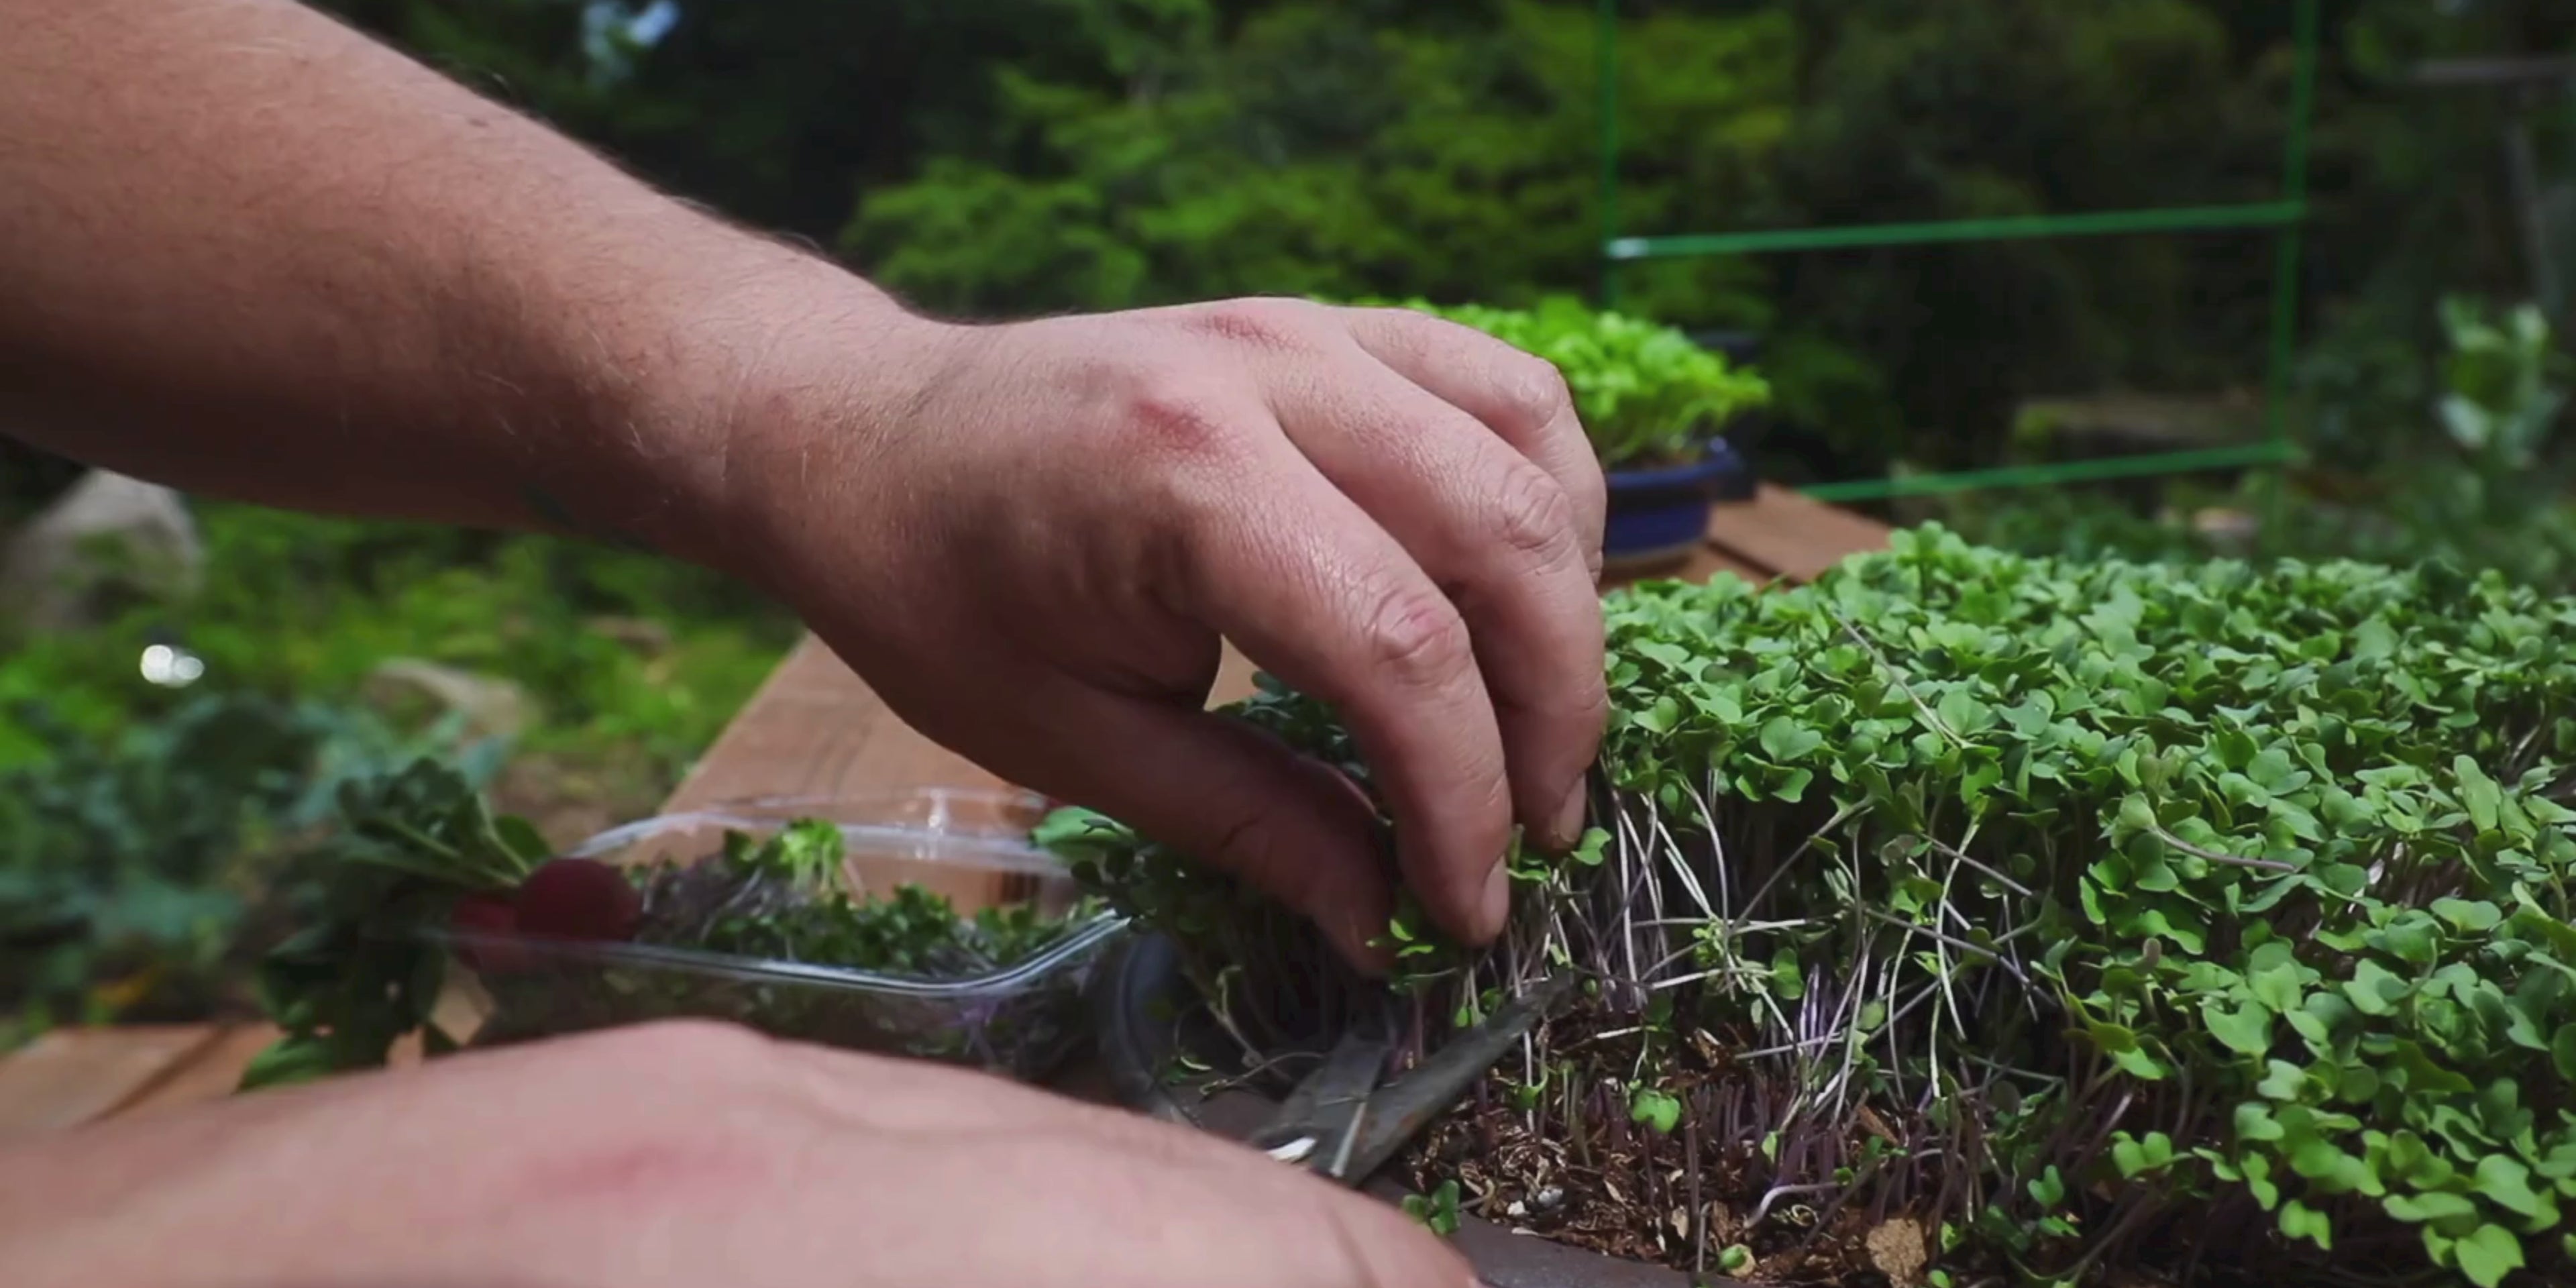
x: 1343, y: 1124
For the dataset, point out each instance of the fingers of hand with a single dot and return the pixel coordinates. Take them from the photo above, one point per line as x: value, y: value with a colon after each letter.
x: 1501, y: 536
x: 1310, y: 587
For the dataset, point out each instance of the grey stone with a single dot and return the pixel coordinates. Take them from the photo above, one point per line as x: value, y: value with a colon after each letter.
x: 489, y: 707
x: 108, y: 535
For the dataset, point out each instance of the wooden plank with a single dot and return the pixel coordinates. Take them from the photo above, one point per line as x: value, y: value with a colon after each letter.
x: 71, y: 1076
x: 214, y: 1070
x: 1703, y: 563
x: 816, y: 729
x: 210, y: 1073
x: 1786, y: 533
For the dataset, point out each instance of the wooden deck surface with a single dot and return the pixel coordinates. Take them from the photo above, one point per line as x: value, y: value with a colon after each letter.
x: 813, y: 729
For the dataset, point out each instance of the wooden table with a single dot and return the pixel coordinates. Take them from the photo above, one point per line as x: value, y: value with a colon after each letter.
x: 813, y: 729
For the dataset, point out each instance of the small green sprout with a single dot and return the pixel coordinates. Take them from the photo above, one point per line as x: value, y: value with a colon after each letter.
x: 1438, y: 1210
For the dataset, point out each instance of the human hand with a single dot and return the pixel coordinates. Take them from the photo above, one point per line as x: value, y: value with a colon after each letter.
x: 677, y: 1156
x: 1031, y: 538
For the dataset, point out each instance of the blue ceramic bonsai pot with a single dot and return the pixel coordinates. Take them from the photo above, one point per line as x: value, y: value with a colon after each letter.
x: 1660, y: 515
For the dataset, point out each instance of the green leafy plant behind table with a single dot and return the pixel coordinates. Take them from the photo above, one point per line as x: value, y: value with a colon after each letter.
x: 2063, y: 920
x: 137, y: 871
x: 1648, y: 394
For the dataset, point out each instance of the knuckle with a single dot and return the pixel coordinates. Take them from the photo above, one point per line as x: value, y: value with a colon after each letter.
x: 1417, y: 637
x: 1269, y: 323
x: 1179, y: 418
x: 1534, y: 389
x: 1533, y: 517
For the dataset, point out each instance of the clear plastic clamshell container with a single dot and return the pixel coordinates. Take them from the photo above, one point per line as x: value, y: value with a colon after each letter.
x: 972, y: 846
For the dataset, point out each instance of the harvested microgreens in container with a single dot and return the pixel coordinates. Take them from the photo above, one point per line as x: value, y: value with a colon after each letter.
x: 762, y: 931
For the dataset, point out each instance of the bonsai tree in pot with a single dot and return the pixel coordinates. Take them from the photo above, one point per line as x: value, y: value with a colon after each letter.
x: 1655, y: 403
x: 1963, y: 918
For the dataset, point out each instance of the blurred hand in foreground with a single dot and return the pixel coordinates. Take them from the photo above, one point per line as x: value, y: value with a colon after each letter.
x: 679, y: 1156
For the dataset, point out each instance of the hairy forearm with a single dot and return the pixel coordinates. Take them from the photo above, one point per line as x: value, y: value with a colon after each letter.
x: 245, y: 250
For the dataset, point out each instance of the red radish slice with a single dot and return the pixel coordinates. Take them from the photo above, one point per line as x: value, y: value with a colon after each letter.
x: 486, y: 913
x: 579, y: 899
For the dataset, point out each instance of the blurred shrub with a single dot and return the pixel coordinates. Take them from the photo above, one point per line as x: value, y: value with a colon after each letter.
x: 144, y: 825
x: 621, y: 651
x: 2474, y: 468
x: 1649, y: 396
x: 132, y: 867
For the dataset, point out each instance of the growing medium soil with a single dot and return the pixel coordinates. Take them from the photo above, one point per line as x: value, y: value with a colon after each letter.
x: 1634, y: 1199
x: 1595, y: 1179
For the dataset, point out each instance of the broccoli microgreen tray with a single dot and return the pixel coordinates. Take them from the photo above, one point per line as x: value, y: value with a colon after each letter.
x: 2011, y: 921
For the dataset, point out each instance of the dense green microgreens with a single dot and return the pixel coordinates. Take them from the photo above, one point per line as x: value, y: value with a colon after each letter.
x: 1648, y: 394
x: 370, y: 970
x: 2057, y: 905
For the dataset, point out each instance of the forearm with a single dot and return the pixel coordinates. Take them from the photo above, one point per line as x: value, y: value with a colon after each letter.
x: 245, y: 250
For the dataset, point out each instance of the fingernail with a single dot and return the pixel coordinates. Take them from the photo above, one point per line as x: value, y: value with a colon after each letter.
x: 1498, y: 901
x: 1569, y: 816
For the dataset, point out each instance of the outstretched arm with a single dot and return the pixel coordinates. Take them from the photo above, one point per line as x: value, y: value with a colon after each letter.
x: 246, y: 250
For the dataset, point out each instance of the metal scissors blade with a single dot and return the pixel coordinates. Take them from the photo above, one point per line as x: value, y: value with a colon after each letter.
x: 1343, y: 1125
x: 1318, y: 1125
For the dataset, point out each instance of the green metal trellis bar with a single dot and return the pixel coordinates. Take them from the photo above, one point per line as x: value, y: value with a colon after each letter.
x: 2268, y: 214
x: 2285, y: 215
x: 2139, y: 465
